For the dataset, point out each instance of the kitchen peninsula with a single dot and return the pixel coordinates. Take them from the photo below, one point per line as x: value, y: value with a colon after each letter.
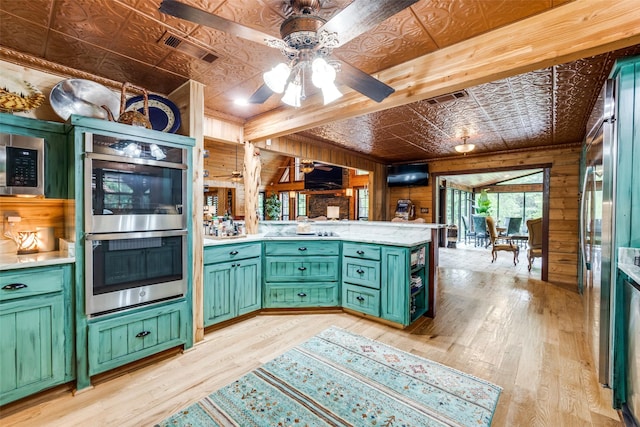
x: 382, y: 270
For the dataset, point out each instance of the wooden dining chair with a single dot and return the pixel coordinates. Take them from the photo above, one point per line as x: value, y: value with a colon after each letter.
x: 496, y: 246
x: 535, y: 240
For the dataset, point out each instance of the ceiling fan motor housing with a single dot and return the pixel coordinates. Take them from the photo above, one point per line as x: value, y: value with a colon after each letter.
x: 306, y: 7
x: 301, y: 31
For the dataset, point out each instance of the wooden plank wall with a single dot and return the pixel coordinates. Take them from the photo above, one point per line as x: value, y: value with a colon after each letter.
x: 311, y: 149
x: 34, y: 212
x: 564, y: 201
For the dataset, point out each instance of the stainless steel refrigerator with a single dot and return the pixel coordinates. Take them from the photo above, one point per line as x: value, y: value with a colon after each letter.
x: 610, y: 220
x: 596, y: 231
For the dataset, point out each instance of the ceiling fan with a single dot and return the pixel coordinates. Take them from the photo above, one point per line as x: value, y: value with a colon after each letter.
x: 308, y: 166
x: 306, y: 41
x: 236, y: 175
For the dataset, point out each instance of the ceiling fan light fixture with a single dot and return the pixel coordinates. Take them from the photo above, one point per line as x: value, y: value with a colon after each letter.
x: 306, y: 166
x: 464, y: 147
x: 236, y: 176
x: 277, y: 77
x: 330, y: 93
x: 293, y: 94
x: 323, y: 73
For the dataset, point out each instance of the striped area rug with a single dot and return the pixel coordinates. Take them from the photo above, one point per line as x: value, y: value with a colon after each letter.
x: 338, y: 378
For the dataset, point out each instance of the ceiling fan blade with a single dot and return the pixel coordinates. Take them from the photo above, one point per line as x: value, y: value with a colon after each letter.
x: 261, y: 95
x: 323, y: 168
x: 193, y: 14
x: 364, y: 83
x: 361, y: 16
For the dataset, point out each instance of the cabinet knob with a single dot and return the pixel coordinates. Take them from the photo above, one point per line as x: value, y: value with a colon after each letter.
x: 359, y: 298
x: 302, y: 294
x: 142, y: 334
x: 233, y: 253
x: 359, y: 252
x: 14, y: 286
x: 302, y: 249
x: 302, y: 268
x: 360, y: 271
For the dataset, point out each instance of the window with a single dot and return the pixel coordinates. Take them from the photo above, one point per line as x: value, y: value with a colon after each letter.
x: 458, y: 205
x: 261, y: 206
x: 525, y: 205
x: 284, y: 199
x: 212, y: 202
x: 298, y: 176
x: 301, y: 204
x: 362, y: 201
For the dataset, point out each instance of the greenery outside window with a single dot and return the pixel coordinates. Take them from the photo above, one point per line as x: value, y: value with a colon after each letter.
x: 362, y: 202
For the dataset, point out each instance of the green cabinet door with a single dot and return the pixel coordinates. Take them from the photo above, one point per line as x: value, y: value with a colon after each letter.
x: 32, y: 346
x: 218, y: 292
x: 231, y: 289
x: 395, y: 284
x: 248, y: 285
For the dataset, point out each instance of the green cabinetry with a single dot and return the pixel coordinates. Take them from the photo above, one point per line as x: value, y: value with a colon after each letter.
x: 36, y: 332
x: 232, y: 281
x: 55, y: 149
x: 125, y: 338
x: 404, y: 290
x: 126, y: 333
x: 361, y: 278
x: 301, y: 273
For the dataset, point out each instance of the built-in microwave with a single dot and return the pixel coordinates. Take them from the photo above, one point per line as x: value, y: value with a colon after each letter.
x: 133, y: 185
x: 21, y: 165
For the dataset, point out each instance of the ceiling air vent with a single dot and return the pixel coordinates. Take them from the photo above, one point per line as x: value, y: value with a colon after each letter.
x: 178, y: 43
x: 448, y: 97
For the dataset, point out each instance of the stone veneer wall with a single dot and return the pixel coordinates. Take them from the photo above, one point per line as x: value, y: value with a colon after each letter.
x: 318, y: 205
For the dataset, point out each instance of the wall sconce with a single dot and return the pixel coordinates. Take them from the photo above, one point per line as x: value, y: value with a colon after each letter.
x: 292, y: 194
x: 333, y: 212
x: 348, y: 192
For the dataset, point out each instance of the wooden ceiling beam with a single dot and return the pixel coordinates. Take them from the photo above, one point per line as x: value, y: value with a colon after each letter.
x: 575, y: 30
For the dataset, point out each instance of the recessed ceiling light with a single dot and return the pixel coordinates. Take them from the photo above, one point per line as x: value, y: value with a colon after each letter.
x: 241, y: 101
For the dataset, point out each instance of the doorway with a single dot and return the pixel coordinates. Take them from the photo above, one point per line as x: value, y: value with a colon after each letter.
x: 522, y: 193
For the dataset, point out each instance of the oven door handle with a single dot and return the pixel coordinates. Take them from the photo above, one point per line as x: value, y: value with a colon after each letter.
x: 122, y: 159
x: 134, y: 235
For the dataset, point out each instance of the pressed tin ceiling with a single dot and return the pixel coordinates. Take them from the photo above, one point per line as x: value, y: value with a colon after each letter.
x: 121, y: 40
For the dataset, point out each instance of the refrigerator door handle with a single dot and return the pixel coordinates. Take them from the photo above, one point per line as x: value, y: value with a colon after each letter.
x: 583, y: 205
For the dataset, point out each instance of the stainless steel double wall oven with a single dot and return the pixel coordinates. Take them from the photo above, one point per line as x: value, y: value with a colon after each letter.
x: 135, y: 224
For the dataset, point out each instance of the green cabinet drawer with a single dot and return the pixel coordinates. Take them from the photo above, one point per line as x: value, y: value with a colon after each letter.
x: 359, y: 298
x: 32, y: 346
x: 300, y: 269
x: 119, y: 340
x: 231, y: 252
x: 361, y: 272
x: 302, y: 247
x: 302, y: 295
x: 21, y: 284
x: 359, y: 250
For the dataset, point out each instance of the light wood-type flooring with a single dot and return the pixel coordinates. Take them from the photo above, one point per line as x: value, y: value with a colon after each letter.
x: 494, y: 321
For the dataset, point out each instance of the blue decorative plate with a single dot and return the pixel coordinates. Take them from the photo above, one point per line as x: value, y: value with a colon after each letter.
x: 163, y: 114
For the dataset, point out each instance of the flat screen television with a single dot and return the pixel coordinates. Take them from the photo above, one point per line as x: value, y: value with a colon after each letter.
x: 408, y: 175
x: 319, y: 179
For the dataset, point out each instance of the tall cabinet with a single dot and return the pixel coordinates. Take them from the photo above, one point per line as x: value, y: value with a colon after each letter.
x: 116, y: 337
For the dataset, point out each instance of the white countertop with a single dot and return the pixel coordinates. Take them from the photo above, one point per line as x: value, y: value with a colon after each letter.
x: 12, y: 261
x: 382, y: 233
